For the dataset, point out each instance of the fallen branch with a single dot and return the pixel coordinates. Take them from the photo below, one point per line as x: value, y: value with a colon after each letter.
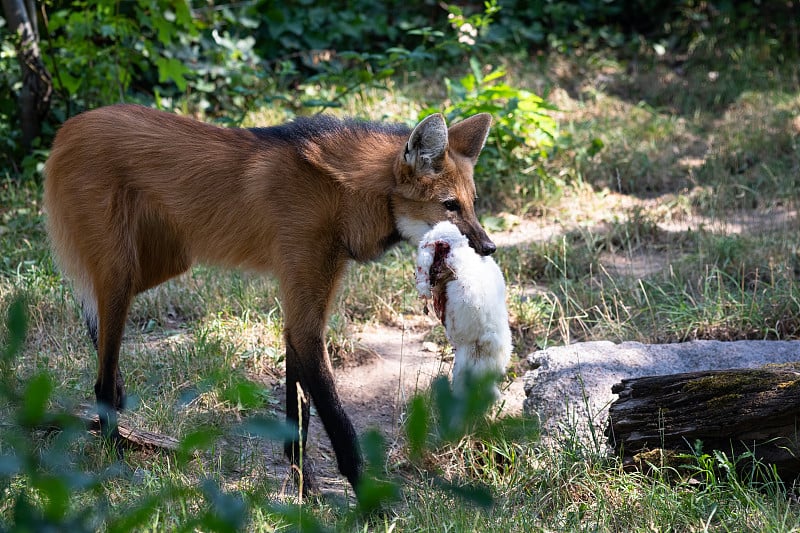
x: 135, y: 438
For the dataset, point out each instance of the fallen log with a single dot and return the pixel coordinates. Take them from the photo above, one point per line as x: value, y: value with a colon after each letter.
x: 86, y: 416
x: 734, y: 411
x: 131, y: 436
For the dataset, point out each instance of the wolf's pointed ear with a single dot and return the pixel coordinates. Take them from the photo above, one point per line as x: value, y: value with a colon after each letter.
x: 427, y: 144
x: 468, y: 136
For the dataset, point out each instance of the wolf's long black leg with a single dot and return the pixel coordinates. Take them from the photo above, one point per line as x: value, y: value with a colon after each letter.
x: 340, y: 429
x: 307, y: 300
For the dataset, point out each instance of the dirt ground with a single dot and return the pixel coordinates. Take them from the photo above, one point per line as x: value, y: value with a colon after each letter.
x: 375, y: 390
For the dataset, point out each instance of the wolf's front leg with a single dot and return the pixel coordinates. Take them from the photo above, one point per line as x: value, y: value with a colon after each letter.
x: 317, y: 379
x: 297, y: 409
x: 307, y: 296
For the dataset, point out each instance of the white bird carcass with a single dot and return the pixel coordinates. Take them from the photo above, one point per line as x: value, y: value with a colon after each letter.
x: 469, y: 297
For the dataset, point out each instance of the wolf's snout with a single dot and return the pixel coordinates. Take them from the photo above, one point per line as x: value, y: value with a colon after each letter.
x: 479, y: 240
x: 483, y: 246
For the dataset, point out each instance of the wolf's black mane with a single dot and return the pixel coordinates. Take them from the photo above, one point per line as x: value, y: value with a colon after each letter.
x: 305, y: 128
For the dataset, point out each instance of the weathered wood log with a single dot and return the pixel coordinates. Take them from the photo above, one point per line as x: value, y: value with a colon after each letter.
x: 734, y: 411
x: 132, y: 437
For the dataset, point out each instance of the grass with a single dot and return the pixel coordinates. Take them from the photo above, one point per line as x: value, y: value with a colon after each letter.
x: 683, y: 226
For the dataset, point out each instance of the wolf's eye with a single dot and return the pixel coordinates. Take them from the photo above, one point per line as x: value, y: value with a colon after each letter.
x: 452, y: 205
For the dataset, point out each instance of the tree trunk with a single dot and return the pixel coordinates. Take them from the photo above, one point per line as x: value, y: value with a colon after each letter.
x: 734, y: 411
x: 37, y: 86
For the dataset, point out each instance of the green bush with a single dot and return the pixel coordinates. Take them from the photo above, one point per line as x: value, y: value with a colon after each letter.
x: 522, y: 132
x: 567, y: 25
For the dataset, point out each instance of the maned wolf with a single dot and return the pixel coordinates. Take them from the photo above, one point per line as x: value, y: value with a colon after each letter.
x: 135, y: 196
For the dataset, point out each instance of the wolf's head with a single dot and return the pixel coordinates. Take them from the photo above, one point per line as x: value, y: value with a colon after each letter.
x: 434, y: 179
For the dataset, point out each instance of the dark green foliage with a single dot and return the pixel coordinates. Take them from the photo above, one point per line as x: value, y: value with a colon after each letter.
x: 269, y: 428
x: 225, y: 511
x: 294, y: 29
x: 455, y: 416
x: 223, y: 60
x: 417, y: 424
x: 376, y: 491
x: 17, y: 324
x: 229, y: 59
x: 198, y: 439
x: 10, y: 133
x: 565, y: 25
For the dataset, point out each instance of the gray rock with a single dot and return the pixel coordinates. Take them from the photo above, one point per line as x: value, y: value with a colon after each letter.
x: 569, y: 388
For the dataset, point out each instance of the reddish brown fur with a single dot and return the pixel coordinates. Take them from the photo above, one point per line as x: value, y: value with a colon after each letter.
x: 135, y: 196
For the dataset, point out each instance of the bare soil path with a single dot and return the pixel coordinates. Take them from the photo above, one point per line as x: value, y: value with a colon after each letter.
x: 375, y: 392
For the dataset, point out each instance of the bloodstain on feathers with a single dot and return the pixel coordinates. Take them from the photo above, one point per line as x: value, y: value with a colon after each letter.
x: 440, y: 274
